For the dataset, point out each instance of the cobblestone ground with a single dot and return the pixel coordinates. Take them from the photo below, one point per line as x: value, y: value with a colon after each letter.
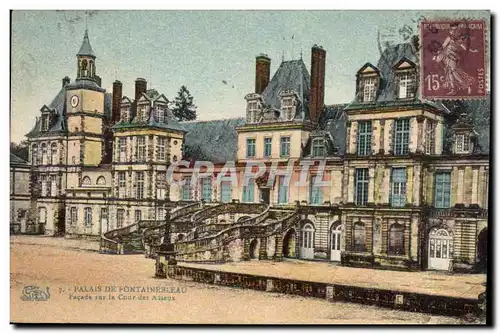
x: 77, y: 277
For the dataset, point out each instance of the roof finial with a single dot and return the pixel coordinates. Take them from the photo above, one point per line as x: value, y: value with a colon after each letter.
x: 300, y: 53
x: 282, y: 56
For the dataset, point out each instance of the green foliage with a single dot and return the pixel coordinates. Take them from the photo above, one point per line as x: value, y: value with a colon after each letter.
x: 183, y: 107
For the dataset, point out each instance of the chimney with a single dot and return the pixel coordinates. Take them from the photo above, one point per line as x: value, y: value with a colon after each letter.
x: 140, y: 87
x: 317, y: 92
x: 117, y: 97
x: 262, y: 72
x: 65, y: 81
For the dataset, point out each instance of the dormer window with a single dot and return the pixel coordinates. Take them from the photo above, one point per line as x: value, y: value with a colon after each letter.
x: 462, y: 143
x: 369, y: 89
x: 124, y: 116
x: 253, y: 111
x: 406, y: 86
x: 45, y: 122
x: 287, y: 108
x: 160, y: 114
x: 318, y: 147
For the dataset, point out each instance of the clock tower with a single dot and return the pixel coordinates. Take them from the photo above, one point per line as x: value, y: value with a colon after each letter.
x: 85, y: 111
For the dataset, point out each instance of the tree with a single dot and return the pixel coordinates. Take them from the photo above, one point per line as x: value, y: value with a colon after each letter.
x: 183, y: 107
x: 21, y: 149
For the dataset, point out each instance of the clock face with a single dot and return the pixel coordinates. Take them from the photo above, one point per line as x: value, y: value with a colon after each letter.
x: 74, y: 101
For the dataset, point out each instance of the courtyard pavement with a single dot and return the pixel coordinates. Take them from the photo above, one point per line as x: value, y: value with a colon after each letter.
x: 428, y: 282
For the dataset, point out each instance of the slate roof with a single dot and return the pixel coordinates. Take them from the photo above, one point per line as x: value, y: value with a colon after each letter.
x: 86, y: 48
x: 85, y: 84
x: 14, y: 159
x: 291, y: 75
x: 215, y: 141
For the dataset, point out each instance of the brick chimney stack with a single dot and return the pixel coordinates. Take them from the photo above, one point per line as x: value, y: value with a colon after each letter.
x: 117, y: 97
x: 262, y: 72
x: 65, y: 81
x: 317, y: 92
x: 140, y: 87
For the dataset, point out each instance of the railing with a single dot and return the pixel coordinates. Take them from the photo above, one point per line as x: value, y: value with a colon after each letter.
x: 458, y: 212
x: 110, y: 244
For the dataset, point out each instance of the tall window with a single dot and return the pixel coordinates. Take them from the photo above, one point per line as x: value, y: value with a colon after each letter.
x: 406, y: 85
x: 161, y: 148
x: 442, y: 190
x: 141, y: 148
x: 42, y: 215
x: 120, y: 218
x: 364, y: 138
x: 53, y: 185
x: 369, y: 90
x: 462, y: 143
x: 398, y: 191
x: 45, y: 122
x: 122, y: 149
x: 250, y: 147
x: 282, y: 190
x: 225, y: 191
x: 430, y: 137
x: 267, y: 147
x: 307, y: 236
x: 74, y: 215
x: 53, y: 154
x: 43, y: 180
x: 139, y: 185
x: 137, y: 215
x: 161, y: 214
x: 401, y: 136
x: 161, y: 185
x: 87, y: 216
x: 122, y: 184
x: 396, y: 240
x: 248, y: 191
x: 124, y: 116
x: 206, y: 189
x: 285, y: 146
x: 160, y: 113
x: 34, y: 155
x: 359, y: 235
x: 252, y: 112
x: 318, y: 147
x: 287, y: 109
x: 44, y: 154
x: 361, y: 191
x: 186, y: 189
x: 104, y: 215
x: 316, y: 192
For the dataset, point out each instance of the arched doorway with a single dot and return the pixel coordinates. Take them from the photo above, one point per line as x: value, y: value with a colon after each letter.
x: 307, y: 241
x: 482, y: 249
x: 254, y: 249
x: 289, y: 243
x: 335, y: 236
x: 440, y: 249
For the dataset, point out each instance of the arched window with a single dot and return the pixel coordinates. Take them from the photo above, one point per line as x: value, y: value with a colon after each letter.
x: 84, y: 68
x: 307, y: 236
x: 86, y: 181
x: 101, y: 181
x: 396, y: 240
x: 91, y: 68
x: 34, y: 154
x: 53, y: 154
x: 44, y: 154
x: 359, y: 237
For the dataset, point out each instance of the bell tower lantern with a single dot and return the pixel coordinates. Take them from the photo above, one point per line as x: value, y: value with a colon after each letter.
x: 86, y: 60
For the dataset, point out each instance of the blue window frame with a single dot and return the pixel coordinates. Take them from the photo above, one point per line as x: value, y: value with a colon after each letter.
x: 365, y: 138
x: 250, y: 147
x: 282, y: 190
x: 267, y: 147
x: 248, y: 191
x: 206, y: 189
x: 442, y: 190
x: 398, y: 187
x: 401, y: 136
x: 285, y: 146
x: 225, y: 191
x: 316, y: 192
x: 361, y: 190
x: 186, y: 189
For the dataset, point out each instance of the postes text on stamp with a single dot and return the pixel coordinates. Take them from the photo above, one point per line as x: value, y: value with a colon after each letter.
x: 452, y: 59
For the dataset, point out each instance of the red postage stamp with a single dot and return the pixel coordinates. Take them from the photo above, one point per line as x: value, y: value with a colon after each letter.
x: 453, y: 59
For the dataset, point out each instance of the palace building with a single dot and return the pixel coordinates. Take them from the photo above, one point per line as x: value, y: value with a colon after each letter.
x: 406, y: 179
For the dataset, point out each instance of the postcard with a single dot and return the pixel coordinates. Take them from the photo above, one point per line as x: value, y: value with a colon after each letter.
x: 250, y: 167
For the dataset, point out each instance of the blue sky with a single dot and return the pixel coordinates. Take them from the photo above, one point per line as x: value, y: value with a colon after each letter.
x: 198, y: 49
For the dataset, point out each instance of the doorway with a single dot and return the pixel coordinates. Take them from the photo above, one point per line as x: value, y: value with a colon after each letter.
x: 482, y: 249
x: 265, y: 195
x: 335, y: 236
x: 440, y: 249
x: 289, y: 244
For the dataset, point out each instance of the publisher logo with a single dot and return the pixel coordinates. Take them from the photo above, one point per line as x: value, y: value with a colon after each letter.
x: 34, y: 293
